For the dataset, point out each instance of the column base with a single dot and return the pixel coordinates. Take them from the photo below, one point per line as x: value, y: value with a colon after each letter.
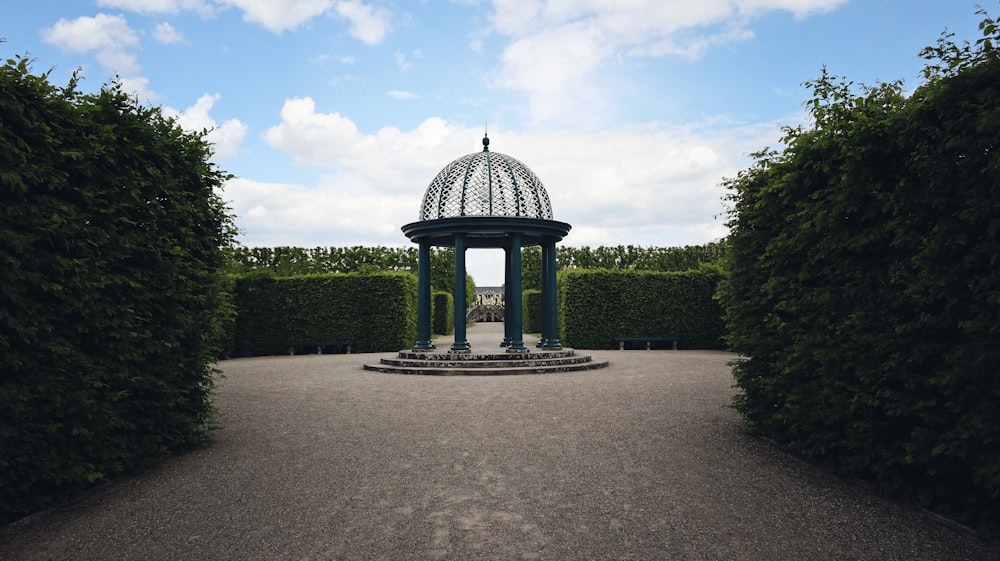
x: 517, y: 347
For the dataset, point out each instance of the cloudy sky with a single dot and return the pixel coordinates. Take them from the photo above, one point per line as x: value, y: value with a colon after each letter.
x: 336, y: 114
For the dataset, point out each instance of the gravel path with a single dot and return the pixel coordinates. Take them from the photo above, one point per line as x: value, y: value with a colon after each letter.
x: 320, y: 460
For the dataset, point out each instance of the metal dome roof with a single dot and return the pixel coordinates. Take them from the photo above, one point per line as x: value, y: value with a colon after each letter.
x: 486, y: 184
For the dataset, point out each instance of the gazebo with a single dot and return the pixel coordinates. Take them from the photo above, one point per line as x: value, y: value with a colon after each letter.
x: 487, y: 200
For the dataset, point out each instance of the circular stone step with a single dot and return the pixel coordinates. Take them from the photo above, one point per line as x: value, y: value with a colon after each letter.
x: 496, y: 355
x: 485, y: 364
x: 432, y: 370
x: 514, y: 362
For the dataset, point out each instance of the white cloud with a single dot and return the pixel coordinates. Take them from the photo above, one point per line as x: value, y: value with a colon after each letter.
x: 653, y: 185
x: 159, y: 6
x: 122, y: 63
x: 401, y: 61
x: 638, y: 20
x: 369, y: 24
x: 555, y: 70
x: 691, y: 46
x: 516, y: 17
x: 558, y: 47
x: 312, y: 138
x: 225, y: 138
x: 86, y: 34
x: 111, y: 37
x: 337, y: 211
x: 801, y: 8
x: 279, y: 16
x: 401, y: 95
x: 166, y: 34
x: 389, y: 159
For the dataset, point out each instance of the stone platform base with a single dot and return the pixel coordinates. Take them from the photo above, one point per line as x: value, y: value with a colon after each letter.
x: 486, y: 364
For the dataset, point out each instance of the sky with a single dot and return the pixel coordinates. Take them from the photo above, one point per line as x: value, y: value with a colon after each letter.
x: 335, y: 115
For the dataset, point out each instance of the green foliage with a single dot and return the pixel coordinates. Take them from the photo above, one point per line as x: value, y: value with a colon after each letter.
x: 110, y: 293
x: 621, y: 257
x: 470, y: 291
x: 293, y: 261
x: 442, y: 312
x: 377, y: 311
x: 531, y: 306
x: 297, y: 261
x: 863, y: 284
x: 640, y: 258
x: 531, y: 267
x: 443, y: 269
x: 597, y: 306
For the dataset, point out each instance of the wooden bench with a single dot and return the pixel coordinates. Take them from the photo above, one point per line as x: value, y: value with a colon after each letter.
x: 294, y: 346
x: 649, y: 341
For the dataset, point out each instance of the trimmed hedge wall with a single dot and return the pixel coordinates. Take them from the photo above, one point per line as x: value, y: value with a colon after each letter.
x: 442, y: 313
x: 110, y: 291
x: 631, y: 257
x: 378, y: 311
x: 531, y: 306
x: 863, y: 284
x: 596, y: 306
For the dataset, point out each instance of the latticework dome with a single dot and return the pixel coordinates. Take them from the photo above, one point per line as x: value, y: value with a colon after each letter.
x: 486, y: 184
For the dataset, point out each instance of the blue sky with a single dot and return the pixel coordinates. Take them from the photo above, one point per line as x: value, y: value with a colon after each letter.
x: 335, y: 115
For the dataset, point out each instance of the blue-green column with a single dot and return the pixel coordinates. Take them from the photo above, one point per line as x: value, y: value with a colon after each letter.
x: 550, y: 322
x: 424, y: 298
x: 506, y: 298
x: 461, y: 343
x: 545, y: 289
x: 512, y: 309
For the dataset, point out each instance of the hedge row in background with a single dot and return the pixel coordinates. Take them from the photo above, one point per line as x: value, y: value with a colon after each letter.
x: 641, y: 258
x: 597, y: 306
x: 865, y: 284
x: 110, y: 294
x: 292, y: 261
x: 442, y: 312
x: 631, y: 257
x: 286, y: 261
x: 531, y: 305
x: 378, y: 311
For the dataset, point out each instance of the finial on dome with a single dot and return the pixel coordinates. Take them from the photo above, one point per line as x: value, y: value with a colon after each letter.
x: 486, y: 139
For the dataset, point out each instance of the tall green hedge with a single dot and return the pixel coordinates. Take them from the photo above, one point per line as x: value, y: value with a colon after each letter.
x: 443, y: 312
x: 286, y: 261
x: 283, y: 261
x: 110, y: 237
x: 631, y: 257
x: 597, y: 306
x: 378, y: 311
x: 864, y: 282
x: 531, y: 306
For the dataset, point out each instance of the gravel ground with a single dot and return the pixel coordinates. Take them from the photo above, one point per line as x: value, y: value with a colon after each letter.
x: 320, y: 460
